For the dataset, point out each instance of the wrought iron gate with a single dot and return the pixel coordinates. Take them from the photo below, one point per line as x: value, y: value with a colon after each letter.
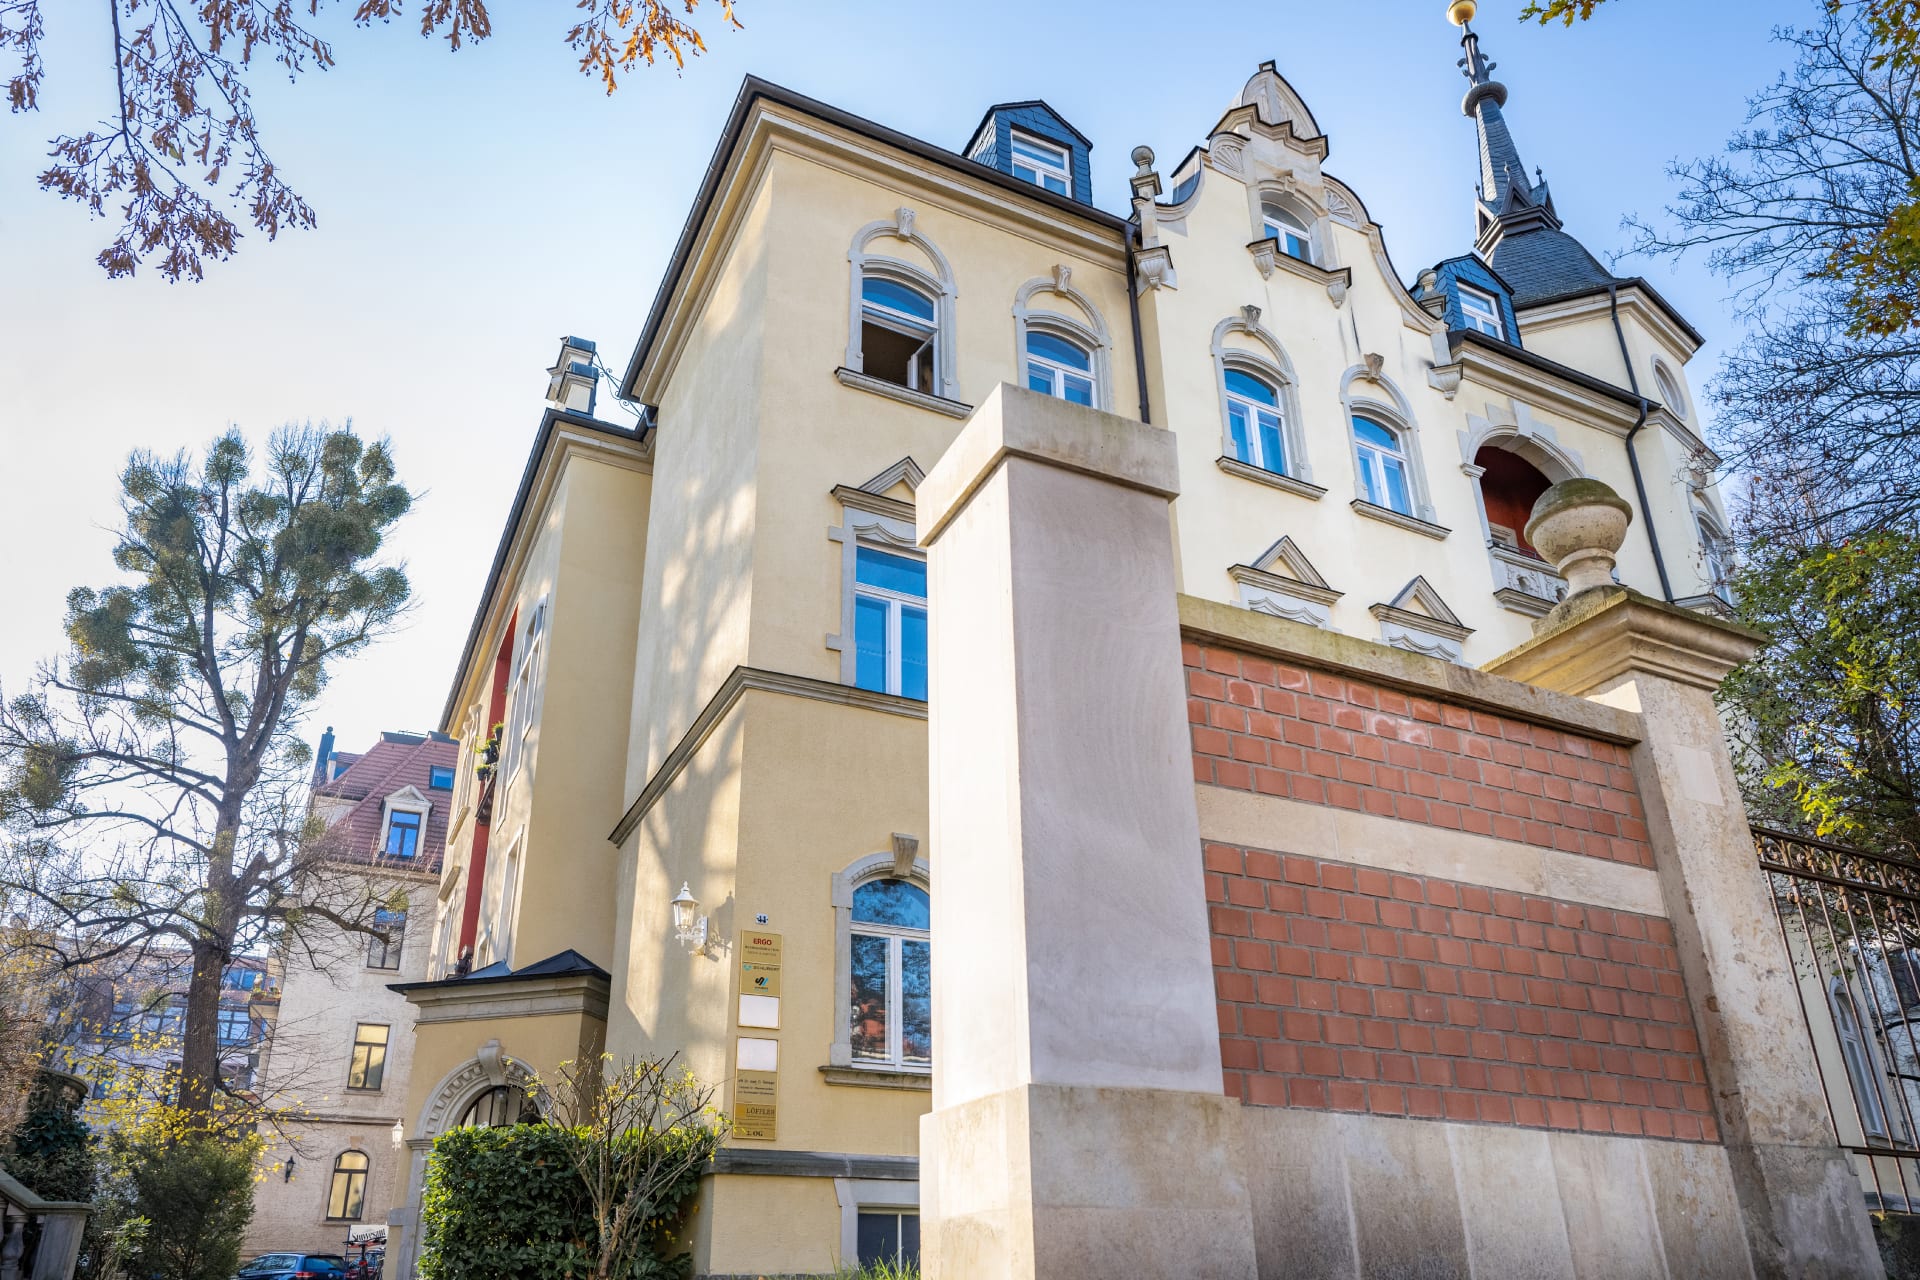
x: 1851, y: 925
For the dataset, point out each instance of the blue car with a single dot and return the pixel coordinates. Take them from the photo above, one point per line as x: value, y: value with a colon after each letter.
x: 294, y: 1266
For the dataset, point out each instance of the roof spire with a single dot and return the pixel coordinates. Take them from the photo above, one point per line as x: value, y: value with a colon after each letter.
x: 1504, y: 187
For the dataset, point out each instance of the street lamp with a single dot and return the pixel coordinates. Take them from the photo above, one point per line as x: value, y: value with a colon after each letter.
x: 399, y: 1135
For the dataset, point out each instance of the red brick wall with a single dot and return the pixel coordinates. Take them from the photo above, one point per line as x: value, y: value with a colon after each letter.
x: 1353, y: 989
x: 1332, y: 740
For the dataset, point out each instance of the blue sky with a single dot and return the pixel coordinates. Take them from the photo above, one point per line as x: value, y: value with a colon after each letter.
x: 476, y: 206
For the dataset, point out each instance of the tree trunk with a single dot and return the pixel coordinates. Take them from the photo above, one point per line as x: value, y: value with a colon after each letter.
x: 200, y: 1040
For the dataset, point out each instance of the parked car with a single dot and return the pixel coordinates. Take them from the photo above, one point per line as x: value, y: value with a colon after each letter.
x: 295, y: 1266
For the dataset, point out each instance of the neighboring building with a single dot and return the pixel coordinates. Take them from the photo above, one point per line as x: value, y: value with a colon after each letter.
x: 345, y: 1042
x: 706, y: 635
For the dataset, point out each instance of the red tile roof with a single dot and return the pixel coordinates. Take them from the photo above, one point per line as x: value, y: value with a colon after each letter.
x: 397, y: 761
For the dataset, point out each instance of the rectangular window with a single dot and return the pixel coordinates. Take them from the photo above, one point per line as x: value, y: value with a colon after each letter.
x: 890, y: 623
x: 403, y: 833
x: 369, y: 1063
x: 1044, y: 164
x: 888, y: 1236
x: 1482, y: 312
x: 440, y: 778
x: 236, y: 1025
x: 165, y: 1018
x: 384, y: 952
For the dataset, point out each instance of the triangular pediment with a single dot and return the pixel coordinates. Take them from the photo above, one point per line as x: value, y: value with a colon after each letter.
x: 408, y: 797
x: 1419, y: 597
x: 1285, y: 559
x: 898, y: 481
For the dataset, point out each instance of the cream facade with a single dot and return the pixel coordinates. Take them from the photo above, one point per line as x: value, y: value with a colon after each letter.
x: 704, y: 638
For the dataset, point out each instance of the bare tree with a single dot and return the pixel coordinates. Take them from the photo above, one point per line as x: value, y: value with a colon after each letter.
x: 151, y: 786
x: 640, y: 1131
x: 182, y: 151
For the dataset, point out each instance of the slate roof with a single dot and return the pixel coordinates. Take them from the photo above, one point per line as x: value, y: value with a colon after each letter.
x: 398, y: 760
x: 1544, y: 262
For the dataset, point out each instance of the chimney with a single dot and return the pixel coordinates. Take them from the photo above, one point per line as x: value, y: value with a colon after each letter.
x: 573, y: 380
x: 322, y: 756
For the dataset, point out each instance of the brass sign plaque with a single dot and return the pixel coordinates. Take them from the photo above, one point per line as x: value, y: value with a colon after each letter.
x: 753, y: 1105
x: 759, y: 963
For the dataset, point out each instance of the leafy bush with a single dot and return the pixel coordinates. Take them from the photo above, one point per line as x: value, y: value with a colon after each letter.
x: 177, y: 1199
x: 52, y: 1150
x: 510, y: 1204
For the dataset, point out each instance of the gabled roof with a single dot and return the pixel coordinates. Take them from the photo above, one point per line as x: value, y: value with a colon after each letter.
x: 1030, y: 103
x: 566, y: 964
x: 398, y: 763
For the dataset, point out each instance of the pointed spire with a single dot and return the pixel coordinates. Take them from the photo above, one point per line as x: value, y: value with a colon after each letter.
x: 1504, y: 187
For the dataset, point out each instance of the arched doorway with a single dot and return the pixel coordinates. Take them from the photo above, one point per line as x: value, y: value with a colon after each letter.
x: 1509, y: 486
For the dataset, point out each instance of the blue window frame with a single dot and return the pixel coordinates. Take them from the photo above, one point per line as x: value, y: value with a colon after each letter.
x: 403, y: 833
x: 1059, y: 368
x: 1044, y: 164
x: 440, y: 778
x: 236, y: 1025
x: 1383, y: 466
x: 890, y: 623
x: 1254, y: 422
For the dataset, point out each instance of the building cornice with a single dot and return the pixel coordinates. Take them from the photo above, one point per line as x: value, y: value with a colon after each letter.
x: 736, y: 686
x: 508, y: 996
x: 1637, y: 299
x: 1511, y: 371
x: 562, y: 437
x: 887, y: 156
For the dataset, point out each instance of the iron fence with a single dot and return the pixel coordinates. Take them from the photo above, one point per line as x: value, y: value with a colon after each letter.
x: 1851, y: 925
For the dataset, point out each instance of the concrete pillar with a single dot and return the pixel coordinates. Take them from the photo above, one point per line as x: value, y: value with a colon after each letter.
x: 1078, y: 1127
x: 1804, y: 1212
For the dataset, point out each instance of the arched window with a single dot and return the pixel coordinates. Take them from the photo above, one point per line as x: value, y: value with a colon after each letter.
x: 1669, y: 387
x: 497, y: 1108
x: 1716, y: 559
x: 902, y: 325
x: 1059, y: 368
x: 1509, y: 486
x: 1859, y: 1062
x: 898, y: 326
x: 1382, y: 460
x: 1256, y: 424
x: 347, y: 1193
x: 1280, y: 225
x: 890, y: 996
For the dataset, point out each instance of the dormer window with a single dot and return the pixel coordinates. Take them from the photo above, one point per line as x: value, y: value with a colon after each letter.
x: 403, y: 833
x: 1482, y: 313
x: 1044, y: 164
x: 1278, y: 225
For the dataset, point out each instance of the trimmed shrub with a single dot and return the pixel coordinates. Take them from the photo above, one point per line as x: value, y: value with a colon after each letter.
x: 510, y: 1204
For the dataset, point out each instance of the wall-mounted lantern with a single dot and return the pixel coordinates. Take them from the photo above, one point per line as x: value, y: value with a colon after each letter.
x: 689, y: 926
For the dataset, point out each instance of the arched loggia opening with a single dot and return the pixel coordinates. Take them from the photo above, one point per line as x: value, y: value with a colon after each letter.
x: 1509, y: 486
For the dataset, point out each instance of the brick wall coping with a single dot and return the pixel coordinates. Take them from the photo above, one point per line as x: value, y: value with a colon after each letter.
x: 1243, y: 629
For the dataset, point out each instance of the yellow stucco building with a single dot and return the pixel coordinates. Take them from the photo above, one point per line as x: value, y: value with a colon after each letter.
x: 701, y: 657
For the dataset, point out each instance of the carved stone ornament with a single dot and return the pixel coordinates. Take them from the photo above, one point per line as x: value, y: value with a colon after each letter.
x: 1446, y: 379
x: 488, y: 1056
x: 1375, y: 363
x: 905, y: 849
x: 1250, y: 314
x: 1062, y: 277
x: 1226, y: 154
x: 903, y: 223
x: 1337, y: 290
x: 1155, y: 268
x: 1579, y: 526
x: 1264, y: 258
x: 1341, y: 208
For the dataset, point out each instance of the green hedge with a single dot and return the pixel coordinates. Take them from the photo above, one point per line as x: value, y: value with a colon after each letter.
x: 508, y: 1204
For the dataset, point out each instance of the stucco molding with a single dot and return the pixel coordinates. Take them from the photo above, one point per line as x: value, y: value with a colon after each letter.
x: 739, y: 682
x: 458, y: 1001
x: 1089, y: 330
x: 1271, y: 364
x: 1272, y: 479
x: 1601, y: 637
x: 859, y: 381
x: 459, y: 1088
x: 1153, y: 269
x: 814, y: 1164
x: 1282, y: 582
x: 864, y: 261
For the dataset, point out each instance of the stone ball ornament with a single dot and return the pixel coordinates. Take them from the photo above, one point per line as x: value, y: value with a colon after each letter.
x: 1579, y: 525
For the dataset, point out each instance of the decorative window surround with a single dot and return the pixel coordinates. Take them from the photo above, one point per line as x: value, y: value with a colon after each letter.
x: 407, y: 799
x: 1090, y: 332
x: 1273, y: 366
x: 875, y: 866
x: 1269, y: 257
x: 1387, y: 515
x: 1283, y: 583
x: 868, y: 515
x: 1395, y: 413
x: 523, y: 702
x: 1259, y: 475
x: 1419, y: 621
x: 938, y: 284
x: 879, y: 1078
x: 1514, y: 427
x: 905, y: 395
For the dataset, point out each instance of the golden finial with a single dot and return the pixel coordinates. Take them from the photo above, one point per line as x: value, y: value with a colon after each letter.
x: 1461, y: 12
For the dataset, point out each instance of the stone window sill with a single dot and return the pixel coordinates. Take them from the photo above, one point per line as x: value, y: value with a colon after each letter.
x: 879, y: 1078
x: 1386, y: 515
x: 905, y: 395
x: 1247, y: 471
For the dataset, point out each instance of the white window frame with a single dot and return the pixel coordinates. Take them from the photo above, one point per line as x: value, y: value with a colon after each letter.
x: 896, y: 602
x: 1368, y: 460
x: 1715, y: 554
x: 497, y: 943
x: 1266, y: 360
x: 1087, y: 331
x: 1252, y: 409
x: 529, y: 681
x: 1391, y: 410
x: 1059, y: 163
x: 872, y: 1195
x: 867, y: 526
x: 875, y: 866
x: 1283, y: 226
x: 1672, y: 389
x: 937, y: 283
x: 406, y: 800
x: 1481, y: 312
x: 900, y: 322
x: 1857, y: 1055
